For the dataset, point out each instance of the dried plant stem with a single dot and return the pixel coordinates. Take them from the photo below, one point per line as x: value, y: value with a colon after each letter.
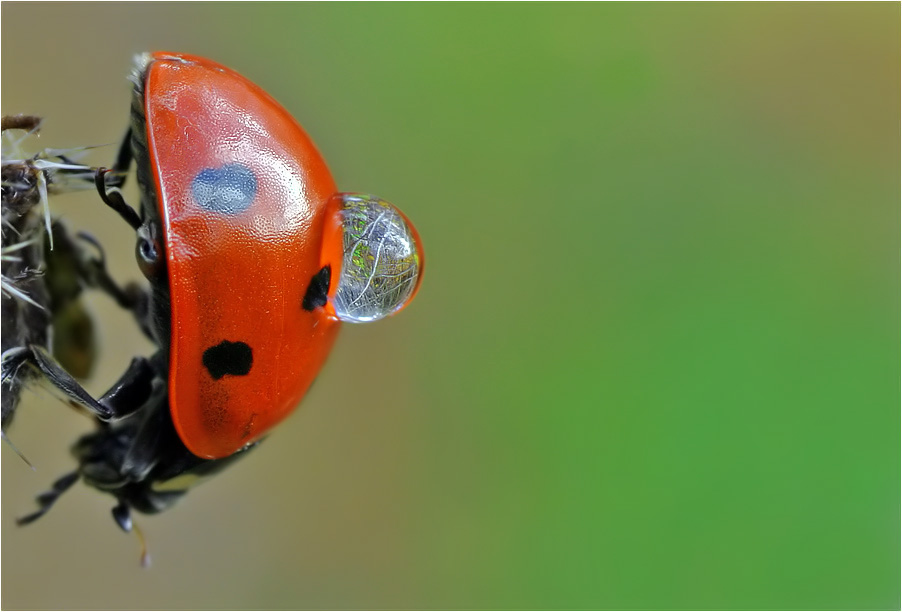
x: 27, y: 299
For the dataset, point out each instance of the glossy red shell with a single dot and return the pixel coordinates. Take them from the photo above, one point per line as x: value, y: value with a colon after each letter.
x: 236, y: 275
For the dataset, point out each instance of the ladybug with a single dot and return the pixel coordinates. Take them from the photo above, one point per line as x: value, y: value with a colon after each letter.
x: 253, y: 260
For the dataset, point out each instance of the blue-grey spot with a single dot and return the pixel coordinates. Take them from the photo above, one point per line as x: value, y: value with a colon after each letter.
x: 229, y: 189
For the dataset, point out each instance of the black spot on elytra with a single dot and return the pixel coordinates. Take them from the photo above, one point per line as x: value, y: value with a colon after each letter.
x: 318, y: 291
x: 228, y: 358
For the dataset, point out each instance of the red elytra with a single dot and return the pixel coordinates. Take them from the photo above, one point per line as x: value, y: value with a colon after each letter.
x: 242, y: 195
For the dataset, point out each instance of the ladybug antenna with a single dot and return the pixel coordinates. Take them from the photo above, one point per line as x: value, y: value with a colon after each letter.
x: 16, y: 450
x: 123, y: 517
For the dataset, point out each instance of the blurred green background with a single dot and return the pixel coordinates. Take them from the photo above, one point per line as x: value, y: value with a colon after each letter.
x: 654, y: 362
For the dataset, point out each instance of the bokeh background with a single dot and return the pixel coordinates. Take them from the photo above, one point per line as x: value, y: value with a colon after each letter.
x: 654, y: 362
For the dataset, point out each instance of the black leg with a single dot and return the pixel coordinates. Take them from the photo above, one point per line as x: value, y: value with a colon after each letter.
x: 133, y: 389
x: 95, y: 274
x: 144, y: 451
x: 109, y: 182
x: 127, y: 395
x: 113, y: 198
x: 47, y: 499
x: 123, y: 162
x: 60, y: 378
x: 79, y: 261
x: 116, y: 176
x: 123, y: 517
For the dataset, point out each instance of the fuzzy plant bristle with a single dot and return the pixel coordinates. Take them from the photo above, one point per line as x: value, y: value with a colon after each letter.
x: 29, y: 179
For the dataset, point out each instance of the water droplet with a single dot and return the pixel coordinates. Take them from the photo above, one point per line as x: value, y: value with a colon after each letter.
x: 382, y: 261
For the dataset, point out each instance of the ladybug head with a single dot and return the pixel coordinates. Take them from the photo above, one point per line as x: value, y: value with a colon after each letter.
x: 378, y: 256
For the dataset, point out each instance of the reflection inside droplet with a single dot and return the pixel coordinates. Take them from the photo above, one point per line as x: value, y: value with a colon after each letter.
x: 382, y: 259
